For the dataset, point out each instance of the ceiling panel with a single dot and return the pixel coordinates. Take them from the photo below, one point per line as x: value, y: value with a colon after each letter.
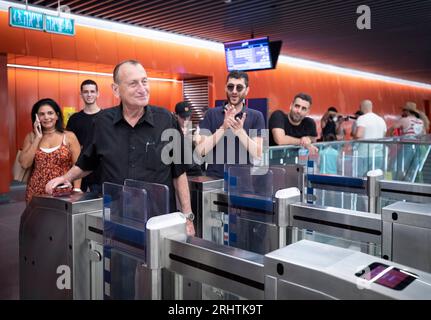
x: 398, y: 44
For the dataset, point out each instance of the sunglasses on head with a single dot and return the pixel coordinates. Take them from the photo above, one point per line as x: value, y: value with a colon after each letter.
x: 231, y: 87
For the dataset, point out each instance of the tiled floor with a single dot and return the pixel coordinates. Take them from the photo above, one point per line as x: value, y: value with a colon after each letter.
x: 10, y: 213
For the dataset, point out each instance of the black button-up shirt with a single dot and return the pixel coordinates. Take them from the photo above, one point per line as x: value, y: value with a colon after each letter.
x: 126, y: 152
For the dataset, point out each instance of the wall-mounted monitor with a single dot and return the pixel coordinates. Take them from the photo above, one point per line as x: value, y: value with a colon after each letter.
x: 252, y: 54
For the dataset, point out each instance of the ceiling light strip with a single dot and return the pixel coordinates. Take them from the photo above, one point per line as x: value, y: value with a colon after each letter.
x: 93, y: 73
x: 349, y: 72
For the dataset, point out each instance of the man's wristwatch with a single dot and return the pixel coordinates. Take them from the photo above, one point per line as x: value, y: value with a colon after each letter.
x: 190, y: 216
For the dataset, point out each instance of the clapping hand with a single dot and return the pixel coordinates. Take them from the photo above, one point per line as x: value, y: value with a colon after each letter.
x: 229, y: 113
x: 238, y: 124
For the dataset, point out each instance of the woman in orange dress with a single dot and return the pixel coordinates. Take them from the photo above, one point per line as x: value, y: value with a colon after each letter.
x: 50, y: 149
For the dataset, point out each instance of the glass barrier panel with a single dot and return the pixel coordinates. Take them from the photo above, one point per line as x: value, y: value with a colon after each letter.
x: 250, y: 209
x: 158, y: 193
x: 125, y: 278
x: 280, y: 178
x: 344, y: 200
x: 365, y: 247
x: 124, y: 219
x: 385, y: 201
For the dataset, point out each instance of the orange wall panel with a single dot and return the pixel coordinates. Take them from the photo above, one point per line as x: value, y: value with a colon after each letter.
x: 165, y: 94
x: 64, y: 47
x: 163, y: 56
x: 68, y: 89
x: 173, y: 93
x: 86, y: 44
x: 67, y: 64
x: 156, y: 97
x: 11, y: 114
x: 125, y: 47
x: 26, y: 95
x: 178, y: 55
x: 219, y: 73
x: 12, y: 39
x: 38, y: 43
x: 48, y: 83
x: 4, y: 128
x: 106, y: 47
x: 144, y: 52
x: 197, y: 60
x: 176, y: 95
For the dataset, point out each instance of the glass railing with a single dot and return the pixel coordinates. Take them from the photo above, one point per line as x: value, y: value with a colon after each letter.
x: 400, y: 158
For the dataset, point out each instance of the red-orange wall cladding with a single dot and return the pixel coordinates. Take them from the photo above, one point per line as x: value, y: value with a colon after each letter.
x: 11, y: 114
x: 4, y: 128
x: 327, y: 89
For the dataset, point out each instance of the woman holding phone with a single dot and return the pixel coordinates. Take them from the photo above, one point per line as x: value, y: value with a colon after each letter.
x: 50, y: 149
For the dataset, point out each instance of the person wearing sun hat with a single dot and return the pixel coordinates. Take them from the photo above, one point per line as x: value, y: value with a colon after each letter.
x: 413, y: 121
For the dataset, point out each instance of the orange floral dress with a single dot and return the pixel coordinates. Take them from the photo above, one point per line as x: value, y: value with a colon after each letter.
x: 46, y: 166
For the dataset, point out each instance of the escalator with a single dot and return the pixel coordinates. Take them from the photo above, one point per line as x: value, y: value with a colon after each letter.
x: 417, y: 160
x: 424, y: 171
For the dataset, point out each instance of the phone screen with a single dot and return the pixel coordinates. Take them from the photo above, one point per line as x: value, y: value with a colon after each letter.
x: 395, y: 278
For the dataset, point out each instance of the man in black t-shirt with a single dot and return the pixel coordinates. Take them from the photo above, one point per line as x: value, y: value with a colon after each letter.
x: 130, y: 142
x: 81, y: 123
x: 295, y: 127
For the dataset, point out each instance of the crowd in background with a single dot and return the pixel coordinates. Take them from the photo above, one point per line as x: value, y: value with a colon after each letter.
x: 51, y: 151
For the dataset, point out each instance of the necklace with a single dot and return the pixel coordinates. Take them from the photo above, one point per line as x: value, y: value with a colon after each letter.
x: 50, y: 131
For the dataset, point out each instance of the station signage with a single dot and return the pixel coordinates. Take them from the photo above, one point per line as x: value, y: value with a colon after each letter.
x: 60, y: 25
x: 25, y: 19
x: 39, y: 21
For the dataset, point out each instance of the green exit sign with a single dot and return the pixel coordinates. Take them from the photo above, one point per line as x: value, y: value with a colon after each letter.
x: 39, y: 21
x: 60, y: 25
x: 25, y: 19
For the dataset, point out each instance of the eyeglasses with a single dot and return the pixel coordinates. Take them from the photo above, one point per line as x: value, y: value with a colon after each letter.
x: 231, y: 87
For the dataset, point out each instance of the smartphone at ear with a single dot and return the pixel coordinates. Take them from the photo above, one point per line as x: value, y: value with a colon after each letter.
x: 38, y: 123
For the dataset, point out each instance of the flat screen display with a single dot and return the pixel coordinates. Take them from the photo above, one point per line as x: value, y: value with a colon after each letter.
x: 248, y: 55
x: 394, y: 278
